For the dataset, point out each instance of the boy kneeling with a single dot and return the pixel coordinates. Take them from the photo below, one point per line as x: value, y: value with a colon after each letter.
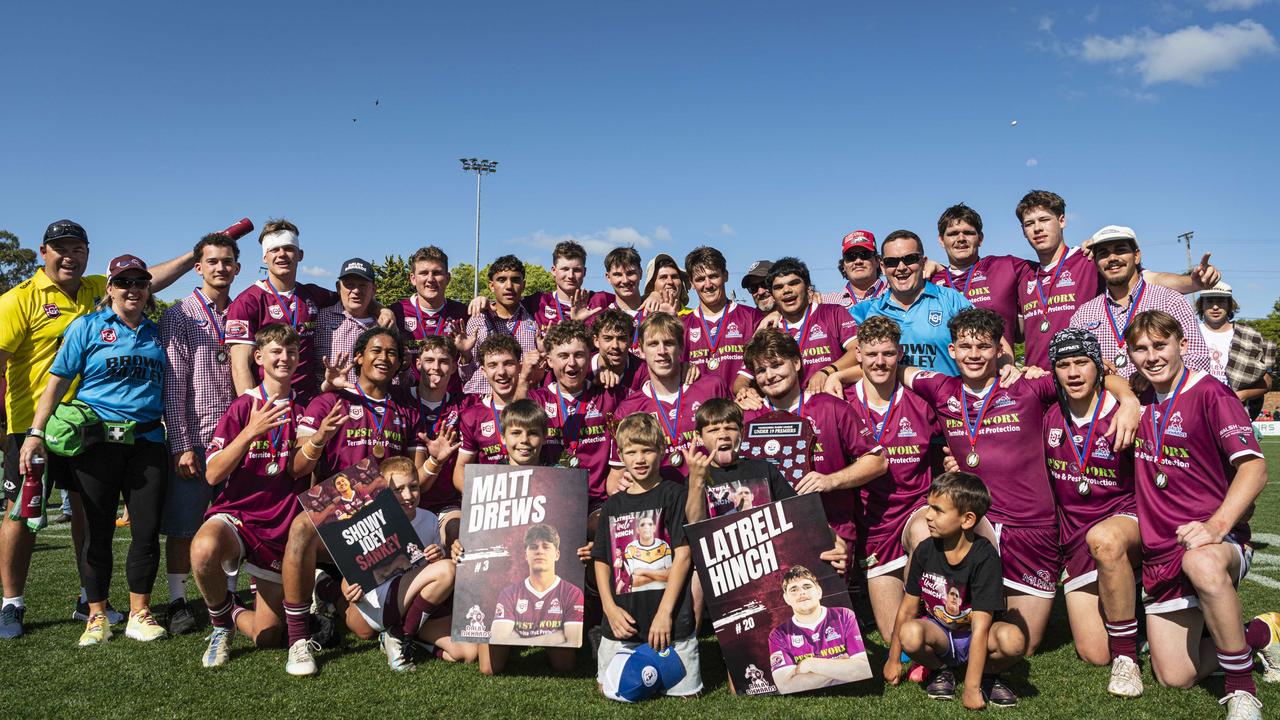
x: 959, y: 576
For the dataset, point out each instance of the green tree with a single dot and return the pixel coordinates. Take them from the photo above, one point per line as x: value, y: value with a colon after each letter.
x: 154, y: 314
x: 392, y: 276
x: 16, y: 262
x: 537, y: 279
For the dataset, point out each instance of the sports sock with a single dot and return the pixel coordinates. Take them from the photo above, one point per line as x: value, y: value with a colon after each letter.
x: 14, y: 601
x: 231, y: 583
x: 236, y: 609
x: 1238, y: 667
x: 84, y: 597
x: 253, y: 585
x: 418, y: 609
x: 220, y: 615
x: 1257, y: 634
x: 177, y: 585
x: 297, y: 620
x: 1122, y: 638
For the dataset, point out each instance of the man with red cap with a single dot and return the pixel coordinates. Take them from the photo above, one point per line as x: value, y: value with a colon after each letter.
x: 860, y: 266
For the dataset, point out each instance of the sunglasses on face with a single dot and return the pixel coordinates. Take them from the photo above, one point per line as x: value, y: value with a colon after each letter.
x: 859, y: 254
x: 132, y: 283
x: 1105, y: 251
x: 893, y: 262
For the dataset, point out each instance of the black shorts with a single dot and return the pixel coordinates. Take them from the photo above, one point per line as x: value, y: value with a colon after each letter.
x: 59, y: 469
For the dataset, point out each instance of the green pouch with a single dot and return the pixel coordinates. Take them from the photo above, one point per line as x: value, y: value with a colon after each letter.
x: 119, y: 432
x: 73, y: 428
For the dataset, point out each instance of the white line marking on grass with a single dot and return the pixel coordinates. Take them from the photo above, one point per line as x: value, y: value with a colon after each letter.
x: 1264, y: 580
x: 1268, y: 538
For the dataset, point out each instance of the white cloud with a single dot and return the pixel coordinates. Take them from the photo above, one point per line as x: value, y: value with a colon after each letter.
x: 726, y: 230
x: 1046, y: 24
x: 314, y: 271
x: 1032, y: 162
x: 1188, y: 55
x: 1229, y: 5
x: 601, y: 242
x: 1093, y: 15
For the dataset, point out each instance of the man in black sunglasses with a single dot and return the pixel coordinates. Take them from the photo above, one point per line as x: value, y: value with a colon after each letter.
x: 33, y: 318
x: 860, y: 267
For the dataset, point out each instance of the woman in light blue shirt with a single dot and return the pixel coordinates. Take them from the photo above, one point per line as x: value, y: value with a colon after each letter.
x: 116, y: 355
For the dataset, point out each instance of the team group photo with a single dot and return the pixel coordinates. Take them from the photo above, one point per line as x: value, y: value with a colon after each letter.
x: 937, y: 448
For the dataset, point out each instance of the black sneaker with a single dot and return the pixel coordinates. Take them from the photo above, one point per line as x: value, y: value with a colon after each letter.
x: 81, y: 613
x: 942, y: 685
x: 181, y: 619
x: 997, y: 693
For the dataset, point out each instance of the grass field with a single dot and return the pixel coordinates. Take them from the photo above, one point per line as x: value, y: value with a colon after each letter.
x: 46, y: 675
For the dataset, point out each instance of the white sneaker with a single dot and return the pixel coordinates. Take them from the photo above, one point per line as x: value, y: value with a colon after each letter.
x: 399, y: 652
x: 1126, y: 678
x: 219, y: 650
x: 302, y: 661
x: 1242, y: 706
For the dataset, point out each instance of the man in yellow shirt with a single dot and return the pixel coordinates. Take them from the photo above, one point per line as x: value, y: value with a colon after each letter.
x: 33, y: 317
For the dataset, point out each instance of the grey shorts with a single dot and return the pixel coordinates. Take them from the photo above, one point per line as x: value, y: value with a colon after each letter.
x: 186, y: 503
x: 686, y: 649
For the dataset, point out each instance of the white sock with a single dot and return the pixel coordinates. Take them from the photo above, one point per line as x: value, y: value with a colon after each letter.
x: 177, y: 585
x: 14, y: 601
x: 84, y: 598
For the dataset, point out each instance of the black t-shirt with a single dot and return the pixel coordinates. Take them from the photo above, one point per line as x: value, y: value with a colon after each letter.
x: 748, y: 483
x: 951, y: 592
x: 637, y: 536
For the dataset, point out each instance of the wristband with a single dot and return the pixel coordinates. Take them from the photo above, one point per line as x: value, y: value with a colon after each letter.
x: 36, y: 433
x: 827, y: 370
x: 308, y: 455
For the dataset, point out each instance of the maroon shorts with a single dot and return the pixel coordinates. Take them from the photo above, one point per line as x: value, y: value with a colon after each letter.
x: 1031, y: 557
x: 1166, y: 589
x: 884, y: 549
x: 1080, y: 569
x: 262, y: 558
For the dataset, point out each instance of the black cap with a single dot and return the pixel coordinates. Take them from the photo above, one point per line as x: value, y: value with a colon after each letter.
x: 758, y: 271
x: 65, y: 229
x: 357, y: 267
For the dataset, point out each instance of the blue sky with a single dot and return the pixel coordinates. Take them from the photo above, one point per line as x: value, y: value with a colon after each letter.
x: 761, y: 128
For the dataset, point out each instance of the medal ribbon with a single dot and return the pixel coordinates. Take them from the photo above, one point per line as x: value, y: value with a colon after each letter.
x: 276, y: 433
x: 1053, y: 282
x: 888, y: 414
x: 1081, y: 454
x: 497, y: 424
x: 567, y: 414
x: 713, y: 342
x: 804, y: 327
x: 968, y: 278
x: 379, y: 419
x: 672, y: 429
x: 417, y: 310
x: 1118, y: 332
x: 213, y: 319
x: 293, y: 316
x: 635, y: 334
x: 972, y: 429
x: 799, y: 404
x: 1168, y: 412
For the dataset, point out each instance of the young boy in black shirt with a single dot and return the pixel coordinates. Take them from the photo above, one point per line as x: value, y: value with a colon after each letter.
x: 958, y: 575
x: 642, y: 559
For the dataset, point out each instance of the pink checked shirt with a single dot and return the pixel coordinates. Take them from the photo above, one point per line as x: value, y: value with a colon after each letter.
x: 197, y: 388
x: 1092, y: 316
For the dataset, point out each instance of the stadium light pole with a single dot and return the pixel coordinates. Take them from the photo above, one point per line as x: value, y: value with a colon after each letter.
x: 479, y: 167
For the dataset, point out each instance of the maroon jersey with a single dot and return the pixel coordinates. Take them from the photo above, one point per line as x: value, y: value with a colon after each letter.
x: 1206, y: 429
x: 682, y: 423
x: 481, y: 431
x: 436, y: 417
x: 355, y: 439
x: 264, y: 501
x: 828, y: 331
x: 258, y: 307
x: 633, y: 377
x: 582, y: 429
x: 547, y: 310
x: 905, y: 435
x: 1065, y: 286
x: 1010, y: 441
x: 835, y: 635
x: 1089, y: 493
x: 731, y: 330
x: 839, y: 439
x: 534, y: 613
x: 991, y: 283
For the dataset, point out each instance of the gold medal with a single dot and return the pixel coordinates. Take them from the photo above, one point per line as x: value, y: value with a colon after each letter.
x: 572, y: 461
x: 713, y: 363
x: 379, y: 450
x: 971, y: 459
x: 675, y: 459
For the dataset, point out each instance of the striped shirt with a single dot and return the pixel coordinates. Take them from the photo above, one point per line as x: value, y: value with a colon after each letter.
x: 522, y: 326
x: 1092, y: 316
x: 197, y: 388
x: 336, y: 333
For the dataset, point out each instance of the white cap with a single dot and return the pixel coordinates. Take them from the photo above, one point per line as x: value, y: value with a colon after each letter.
x: 1112, y: 232
x: 1220, y: 290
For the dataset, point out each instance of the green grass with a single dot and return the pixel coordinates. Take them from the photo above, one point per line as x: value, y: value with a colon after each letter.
x: 46, y: 675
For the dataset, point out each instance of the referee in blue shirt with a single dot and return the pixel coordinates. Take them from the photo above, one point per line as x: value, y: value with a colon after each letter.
x: 920, y: 308
x: 116, y: 354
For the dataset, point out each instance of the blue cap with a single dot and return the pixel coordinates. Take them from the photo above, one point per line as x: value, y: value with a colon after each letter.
x: 357, y: 267
x: 640, y: 672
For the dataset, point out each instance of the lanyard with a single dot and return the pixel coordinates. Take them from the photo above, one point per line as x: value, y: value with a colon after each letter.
x: 213, y: 320
x: 1160, y: 427
x: 497, y: 424
x: 878, y: 431
x: 672, y: 429
x: 1081, y: 453
x: 277, y: 432
x: 293, y: 316
x: 422, y: 324
x: 968, y: 278
x: 567, y: 414
x: 1053, y: 282
x: 379, y: 419
x: 1118, y: 332
x: 976, y: 426
x: 635, y: 334
x: 799, y: 404
x: 804, y: 327
x: 713, y: 341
